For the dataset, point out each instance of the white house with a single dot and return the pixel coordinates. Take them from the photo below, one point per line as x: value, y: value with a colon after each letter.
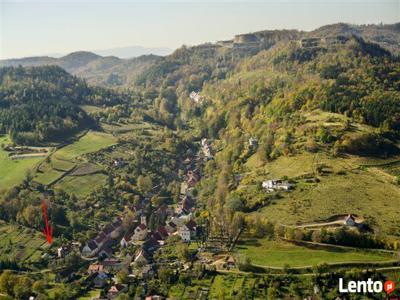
x: 253, y: 142
x: 196, y: 97
x: 184, y: 233
x: 275, y: 184
x: 140, y: 233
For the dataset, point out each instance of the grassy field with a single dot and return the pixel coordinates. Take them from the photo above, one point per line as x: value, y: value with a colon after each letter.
x: 278, y: 254
x: 81, y: 185
x: 346, y: 187
x: 12, y: 172
x: 62, y: 165
x: 20, y: 243
x: 90, y: 142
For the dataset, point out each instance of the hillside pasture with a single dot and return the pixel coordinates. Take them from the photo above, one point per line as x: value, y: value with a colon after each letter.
x: 279, y: 254
x: 13, y: 172
x: 81, y: 185
x: 90, y: 142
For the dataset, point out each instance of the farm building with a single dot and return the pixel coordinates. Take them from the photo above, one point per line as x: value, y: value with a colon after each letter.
x: 275, y: 185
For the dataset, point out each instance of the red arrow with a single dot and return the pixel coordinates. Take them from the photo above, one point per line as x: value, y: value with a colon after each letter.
x: 48, y: 231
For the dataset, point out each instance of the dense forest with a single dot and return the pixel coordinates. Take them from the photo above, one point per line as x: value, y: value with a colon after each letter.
x: 39, y: 104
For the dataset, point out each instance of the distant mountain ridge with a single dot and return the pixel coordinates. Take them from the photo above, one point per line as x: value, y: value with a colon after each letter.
x: 133, y: 51
x: 112, y: 71
x: 96, y: 69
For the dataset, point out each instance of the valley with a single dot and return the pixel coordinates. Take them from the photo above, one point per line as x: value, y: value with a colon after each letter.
x: 262, y: 167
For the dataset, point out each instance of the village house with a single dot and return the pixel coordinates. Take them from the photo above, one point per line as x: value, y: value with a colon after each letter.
x: 115, y: 290
x: 275, y: 184
x: 253, y: 142
x: 350, y: 220
x: 187, y: 231
x: 140, y: 233
x: 196, y: 97
x: 118, y: 163
x: 186, y: 205
x: 192, y: 178
x: 101, y: 279
x: 95, y: 268
x: 171, y: 227
x: 184, y: 233
x: 90, y: 249
x: 106, y: 252
x: 142, y: 258
x: 126, y: 239
x: 206, y: 149
x: 61, y: 251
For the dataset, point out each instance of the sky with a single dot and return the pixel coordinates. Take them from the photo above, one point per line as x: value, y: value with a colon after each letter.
x: 40, y: 27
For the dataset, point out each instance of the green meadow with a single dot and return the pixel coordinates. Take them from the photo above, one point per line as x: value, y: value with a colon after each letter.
x: 90, y: 142
x: 13, y: 172
x: 268, y: 253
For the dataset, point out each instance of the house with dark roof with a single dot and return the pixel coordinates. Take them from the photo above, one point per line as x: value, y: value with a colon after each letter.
x: 350, y: 220
x: 163, y: 231
x: 142, y: 258
x: 101, y: 279
x: 90, y: 249
x: 127, y: 239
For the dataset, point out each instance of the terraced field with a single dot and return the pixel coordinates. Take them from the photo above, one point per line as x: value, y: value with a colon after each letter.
x: 21, y: 244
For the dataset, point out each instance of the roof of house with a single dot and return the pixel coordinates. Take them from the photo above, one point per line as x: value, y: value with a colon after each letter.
x: 142, y: 226
x: 172, y: 224
x: 108, y: 229
x: 107, y: 251
x: 163, y: 231
x: 100, y: 238
x: 95, y: 268
x: 191, y: 225
x: 143, y: 254
x: 116, y: 288
x: 158, y: 236
x: 128, y: 236
x: 92, y: 245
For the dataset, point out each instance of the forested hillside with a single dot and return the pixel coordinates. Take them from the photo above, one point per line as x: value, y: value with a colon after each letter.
x: 39, y: 104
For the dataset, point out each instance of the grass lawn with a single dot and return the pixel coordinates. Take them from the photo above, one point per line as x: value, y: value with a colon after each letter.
x: 90, y: 142
x: 81, y: 185
x: 363, y: 192
x: 278, y: 254
x: 13, y: 172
